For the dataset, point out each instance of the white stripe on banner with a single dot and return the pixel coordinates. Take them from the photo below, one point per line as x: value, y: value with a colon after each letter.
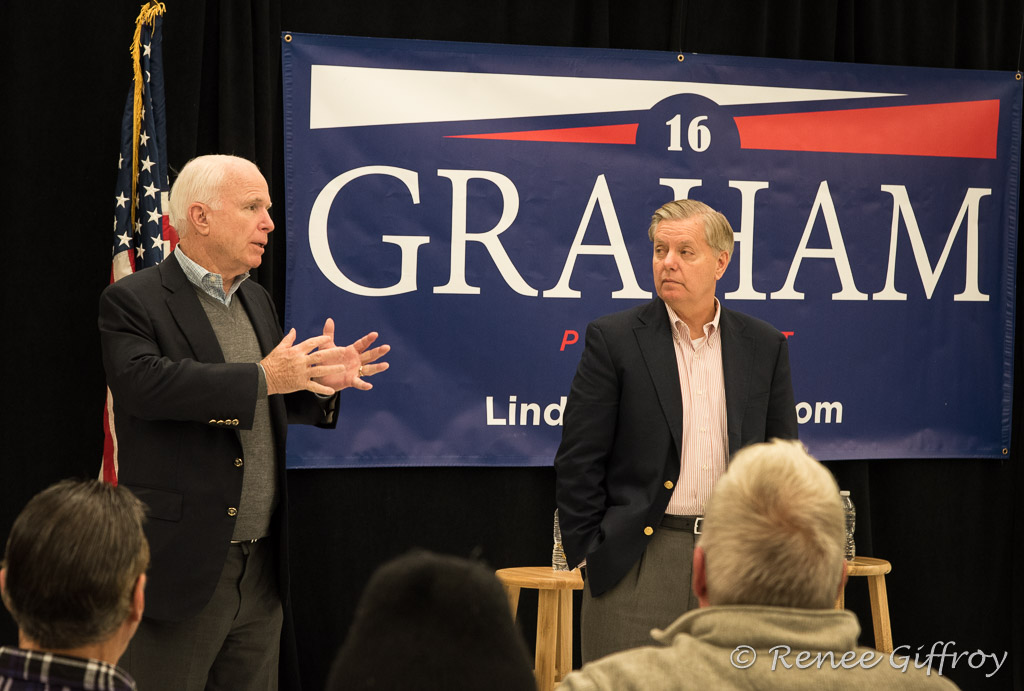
x: 342, y: 96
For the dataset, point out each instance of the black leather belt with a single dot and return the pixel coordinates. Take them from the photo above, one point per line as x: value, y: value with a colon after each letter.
x: 690, y: 524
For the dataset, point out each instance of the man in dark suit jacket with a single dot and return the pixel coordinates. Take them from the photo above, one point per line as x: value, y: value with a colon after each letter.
x: 663, y: 394
x: 204, y: 384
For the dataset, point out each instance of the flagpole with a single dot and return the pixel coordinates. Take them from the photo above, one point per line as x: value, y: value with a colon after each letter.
x: 147, y: 15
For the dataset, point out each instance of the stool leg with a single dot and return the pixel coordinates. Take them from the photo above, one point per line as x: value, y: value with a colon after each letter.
x: 512, y: 593
x: 880, y: 614
x: 547, y: 629
x: 563, y: 658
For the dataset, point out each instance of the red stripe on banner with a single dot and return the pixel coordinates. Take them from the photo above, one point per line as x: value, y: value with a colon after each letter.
x: 601, y: 134
x: 960, y: 130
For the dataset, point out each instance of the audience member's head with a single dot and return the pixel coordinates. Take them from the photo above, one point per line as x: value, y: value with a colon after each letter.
x: 74, y: 570
x: 773, y: 532
x: 427, y: 621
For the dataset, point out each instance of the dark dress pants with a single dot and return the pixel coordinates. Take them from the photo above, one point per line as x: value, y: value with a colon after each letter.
x: 233, y: 643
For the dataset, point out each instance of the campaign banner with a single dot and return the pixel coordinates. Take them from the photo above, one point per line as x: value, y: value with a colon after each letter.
x: 478, y: 205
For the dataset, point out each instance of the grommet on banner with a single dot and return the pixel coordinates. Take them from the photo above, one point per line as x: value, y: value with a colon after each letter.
x: 1018, y: 76
x: 1006, y: 452
x: 287, y: 38
x: 680, y: 57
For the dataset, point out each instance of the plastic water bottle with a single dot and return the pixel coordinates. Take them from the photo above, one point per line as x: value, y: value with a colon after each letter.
x: 850, y: 513
x: 558, y: 562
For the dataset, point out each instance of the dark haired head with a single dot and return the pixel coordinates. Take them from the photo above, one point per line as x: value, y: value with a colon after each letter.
x: 73, y: 557
x: 428, y: 621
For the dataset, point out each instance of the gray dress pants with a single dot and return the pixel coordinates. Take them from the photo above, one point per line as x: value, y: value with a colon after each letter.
x: 653, y: 594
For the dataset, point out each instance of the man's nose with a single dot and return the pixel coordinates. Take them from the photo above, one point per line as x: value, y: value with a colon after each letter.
x: 268, y: 222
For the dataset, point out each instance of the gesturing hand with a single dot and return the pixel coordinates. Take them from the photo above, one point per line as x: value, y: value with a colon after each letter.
x: 290, y: 367
x: 357, y: 361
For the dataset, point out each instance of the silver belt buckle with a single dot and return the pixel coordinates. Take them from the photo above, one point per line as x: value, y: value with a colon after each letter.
x: 696, y: 524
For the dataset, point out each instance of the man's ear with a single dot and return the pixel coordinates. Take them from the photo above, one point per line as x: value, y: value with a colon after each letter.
x: 842, y: 581
x: 721, y: 264
x: 198, y: 217
x: 138, y: 599
x: 700, y: 577
x: 3, y: 587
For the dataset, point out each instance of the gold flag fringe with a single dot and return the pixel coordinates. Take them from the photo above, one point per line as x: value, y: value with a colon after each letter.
x: 147, y: 15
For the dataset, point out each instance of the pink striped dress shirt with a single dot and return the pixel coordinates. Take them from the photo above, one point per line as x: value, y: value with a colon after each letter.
x: 705, y: 429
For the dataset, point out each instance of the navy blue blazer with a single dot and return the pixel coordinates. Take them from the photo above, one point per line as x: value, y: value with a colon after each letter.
x: 622, y: 428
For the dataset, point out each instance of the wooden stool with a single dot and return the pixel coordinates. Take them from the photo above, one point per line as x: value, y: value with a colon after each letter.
x: 875, y: 570
x: 554, y: 616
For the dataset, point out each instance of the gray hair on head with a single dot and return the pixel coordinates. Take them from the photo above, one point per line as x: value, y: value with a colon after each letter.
x: 201, y: 180
x: 773, y: 531
x: 717, y: 231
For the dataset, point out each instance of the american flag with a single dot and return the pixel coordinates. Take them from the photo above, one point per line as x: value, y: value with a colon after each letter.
x: 142, y: 235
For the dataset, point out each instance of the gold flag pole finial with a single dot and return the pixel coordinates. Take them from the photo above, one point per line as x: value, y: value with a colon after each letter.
x: 147, y: 15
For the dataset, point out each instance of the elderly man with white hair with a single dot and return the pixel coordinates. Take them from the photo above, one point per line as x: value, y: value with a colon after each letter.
x: 204, y: 385
x: 767, y: 570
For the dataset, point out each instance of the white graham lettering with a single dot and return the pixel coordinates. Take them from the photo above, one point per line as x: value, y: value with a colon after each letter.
x: 929, y: 277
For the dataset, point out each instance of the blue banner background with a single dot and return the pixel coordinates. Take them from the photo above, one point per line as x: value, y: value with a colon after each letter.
x: 920, y: 377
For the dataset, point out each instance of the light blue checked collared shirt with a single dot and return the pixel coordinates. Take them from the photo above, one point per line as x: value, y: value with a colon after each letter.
x: 207, y: 281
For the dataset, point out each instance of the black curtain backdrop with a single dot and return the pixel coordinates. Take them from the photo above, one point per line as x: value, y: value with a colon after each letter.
x: 953, y: 529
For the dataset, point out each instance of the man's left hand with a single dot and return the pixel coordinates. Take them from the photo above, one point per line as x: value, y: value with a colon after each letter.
x: 359, y: 362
